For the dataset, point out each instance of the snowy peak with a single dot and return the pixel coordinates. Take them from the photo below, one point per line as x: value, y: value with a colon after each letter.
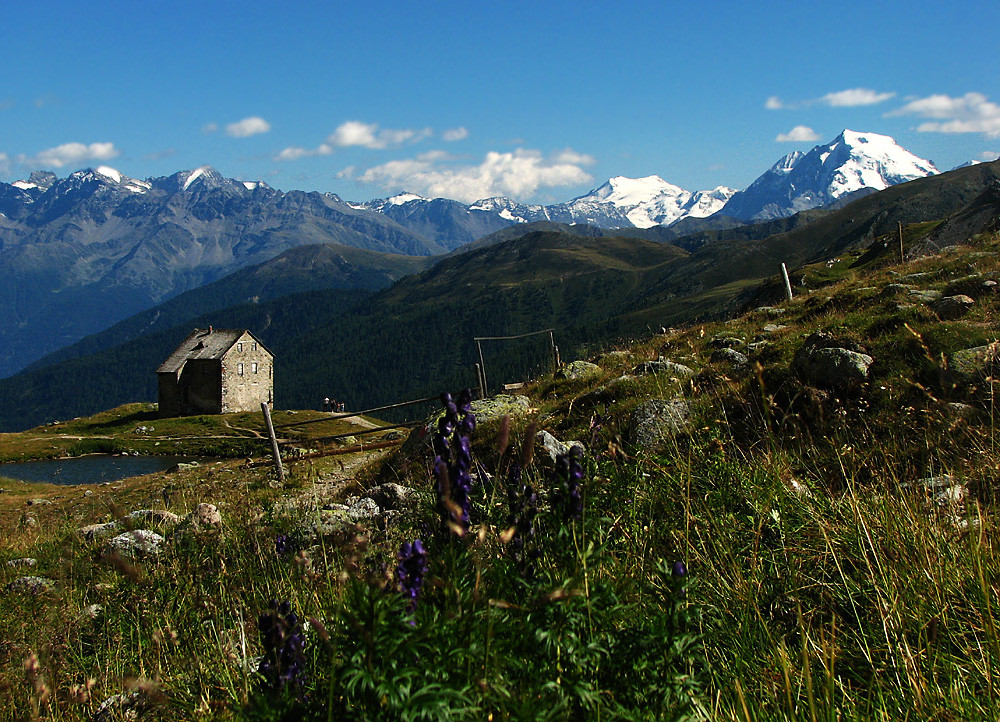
x: 645, y: 202
x: 850, y: 162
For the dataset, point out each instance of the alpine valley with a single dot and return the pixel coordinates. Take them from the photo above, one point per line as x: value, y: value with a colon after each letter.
x: 101, y: 274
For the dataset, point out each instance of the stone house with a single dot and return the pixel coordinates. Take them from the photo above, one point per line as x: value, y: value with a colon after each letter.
x: 216, y: 371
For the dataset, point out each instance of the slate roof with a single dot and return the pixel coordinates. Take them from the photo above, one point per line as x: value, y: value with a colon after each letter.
x: 203, y: 344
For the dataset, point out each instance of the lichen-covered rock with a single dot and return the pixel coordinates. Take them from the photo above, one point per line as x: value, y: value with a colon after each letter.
x: 137, y: 542
x: 655, y: 422
x: 155, y: 517
x: 552, y: 446
x: 730, y: 356
x: 826, y: 362
x: 96, y: 532
x: 975, y: 286
x: 498, y: 406
x: 970, y: 366
x: 578, y: 370
x: 390, y: 496
x: 952, y: 308
x: 205, y: 518
x: 664, y: 366
x: 720, y: 342
x: 31, y: 585
x: 23, y: 562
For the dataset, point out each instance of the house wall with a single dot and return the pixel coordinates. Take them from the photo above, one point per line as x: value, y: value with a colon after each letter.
x: 246, y: 391
x: 169, y: 395
x: 201, y: 387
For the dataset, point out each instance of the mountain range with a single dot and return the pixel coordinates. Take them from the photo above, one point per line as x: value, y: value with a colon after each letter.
x: 81, y: 253
x: 415, y: 335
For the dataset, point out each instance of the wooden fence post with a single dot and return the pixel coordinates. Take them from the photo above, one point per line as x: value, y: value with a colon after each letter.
x: 274, y: 442
x: 788, y: 282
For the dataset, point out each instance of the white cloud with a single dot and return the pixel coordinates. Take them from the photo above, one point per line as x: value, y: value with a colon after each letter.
x: 854, y: 97
x: 989, y: 156
x: 798, y: 134
x: 368, y: 135
x: 254, y: 125
x: 209, y: 128
x: 295, y: 152
x: 454, y: 134
x: 160, y: 154
x: 971, y: 113
x: 70, y: 154
x: 572, y: 157
x: 841, y: 99
x: 515, y: 175
x: 4, y: 164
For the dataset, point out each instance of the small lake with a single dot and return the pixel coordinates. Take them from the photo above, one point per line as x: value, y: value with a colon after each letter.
x: 93, y: 469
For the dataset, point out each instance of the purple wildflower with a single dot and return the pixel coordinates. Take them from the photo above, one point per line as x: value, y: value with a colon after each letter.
x: 410, y: 571
x: 284, y: 661
x: 523, y: 509
x: 453, y: 457
x: 569, y: 468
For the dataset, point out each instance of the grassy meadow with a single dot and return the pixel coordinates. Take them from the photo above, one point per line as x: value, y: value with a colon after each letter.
x: 780, y: 558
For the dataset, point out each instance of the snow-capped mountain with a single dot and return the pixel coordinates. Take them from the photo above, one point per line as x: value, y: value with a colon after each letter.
x: 620, y: 203
x: 850, y: 162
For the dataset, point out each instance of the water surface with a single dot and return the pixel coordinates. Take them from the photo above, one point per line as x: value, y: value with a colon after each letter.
x: 92, y: 469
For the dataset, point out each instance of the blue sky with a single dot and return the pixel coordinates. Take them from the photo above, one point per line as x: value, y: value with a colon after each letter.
x: 535, y: 101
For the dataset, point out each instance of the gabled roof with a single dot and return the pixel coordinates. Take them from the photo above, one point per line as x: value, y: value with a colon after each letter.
x: 204, y: 344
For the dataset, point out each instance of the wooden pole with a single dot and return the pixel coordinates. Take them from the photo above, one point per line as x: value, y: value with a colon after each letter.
x: 479, y: 380
x: 274, y: 442
x: 482, y: 370
x: 788, y: 282
x: 555, y: 352
x: 902, y: 256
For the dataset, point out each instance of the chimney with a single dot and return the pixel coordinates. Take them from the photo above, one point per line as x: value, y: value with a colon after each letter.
x: 210, y: 329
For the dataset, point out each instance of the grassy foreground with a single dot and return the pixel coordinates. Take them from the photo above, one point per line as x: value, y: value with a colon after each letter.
x: 777, y: 558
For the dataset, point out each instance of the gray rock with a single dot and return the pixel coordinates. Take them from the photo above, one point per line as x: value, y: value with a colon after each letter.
x: 968, y: 366
x: 552, y: 446
x: 925, y: 296
x: 975, y: 286
x: 664, y: 366
x: 498, y: 406
x: 363, y: 509
x: 96, y: 532
x: 615, y: 358
x: 31, y: 585
x: 895, y: 289
x: 951, y: 308
x: 390, y: 496
x: 772, y: 311
x: 821, y: 363
x: 774, y: 327
x: 941, y: 491
x: 578, y: 370
x: 24, y: 562
x: 137, y: 542
x: 123, y: 707
x: 720, y: 342
x: 205, y: 518
x: 156, y: 517
x: 90, y: 613
x: 731, y: 357
x: 655, y: 422
x: 39, y: 502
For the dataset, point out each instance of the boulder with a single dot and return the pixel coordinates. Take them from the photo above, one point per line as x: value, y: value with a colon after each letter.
x: 393, y: 496
x: 496, y: 407
x: 655, y: 422
x: 720, y: 342
x: 155, y: 517
x: 578, y: 370
x: 30, y: 585
x: 96, y: 532
x: 952, y: 308
x: 137, y: 542
x: 730, y: 356
x: 205, y: 519
x: 975, y: 286
x: 553, y: 446
x: 24, y: 562
x: 664, y: 366
x: 823, y: 362
x: 969, y: 366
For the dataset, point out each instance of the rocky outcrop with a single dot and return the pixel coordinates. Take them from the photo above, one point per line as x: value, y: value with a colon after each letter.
x: 657, y: 421
x: 578, y: 370
x: 828, y: 362
x: 952, y: 308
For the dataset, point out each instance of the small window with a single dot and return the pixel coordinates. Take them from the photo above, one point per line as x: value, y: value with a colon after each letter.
x: 239, y: 347
x: 253, y: 346
x: 254, y: 369
x: 239, y: 369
